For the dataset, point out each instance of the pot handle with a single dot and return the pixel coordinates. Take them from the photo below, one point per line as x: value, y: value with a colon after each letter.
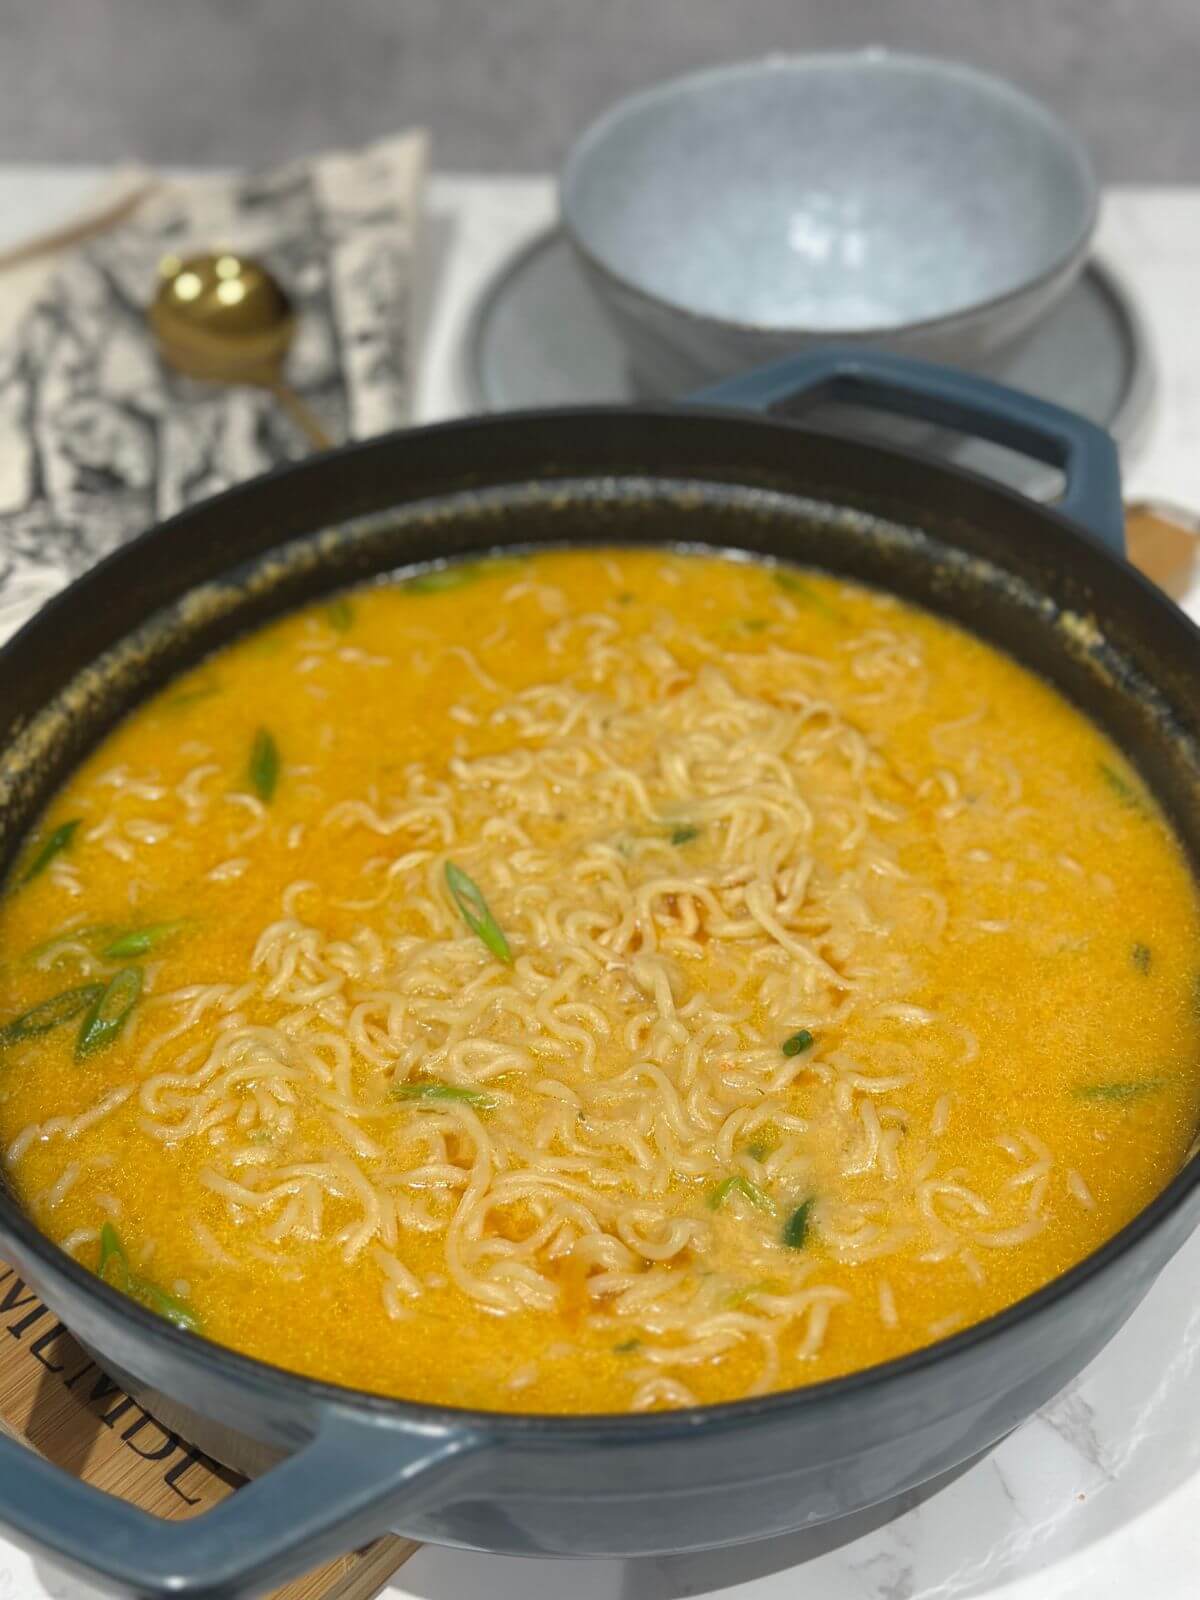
x: 970, y: 404
x: 327, y: 1498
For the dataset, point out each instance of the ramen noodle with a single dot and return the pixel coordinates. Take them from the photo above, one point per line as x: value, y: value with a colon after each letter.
x: 596, y: 981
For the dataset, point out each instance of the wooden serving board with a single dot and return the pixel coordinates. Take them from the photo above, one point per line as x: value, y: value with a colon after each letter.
x: 1163, y: 541
x: 55, y: 1399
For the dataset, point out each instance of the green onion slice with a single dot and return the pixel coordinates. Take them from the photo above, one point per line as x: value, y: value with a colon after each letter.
x: 51, y: 1013
x: 111, y: 1249
x: 140, y: 941
x: 437, y: 580
x: 190, y: 697
x: 109, y: 1012
x: 440, y: 579
x: 763, y: 1286
x: 1121, y: 1093
x: 743, y: 1186
x: 795, y: 1229
x: 87, y: 933
x: 1124, y: 788
x: 473, y: 909
x: 169, y: 1306
x: 798, y: 1043
x: 263, y: 770
x: 792, y: 583
x: 438, y: 1089
x: 52, y: 845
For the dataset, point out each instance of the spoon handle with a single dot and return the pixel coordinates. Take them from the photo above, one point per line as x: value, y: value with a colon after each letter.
x: 302, y: 415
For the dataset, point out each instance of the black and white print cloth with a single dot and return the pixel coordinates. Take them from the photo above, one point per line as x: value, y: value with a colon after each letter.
x: 99, y: 441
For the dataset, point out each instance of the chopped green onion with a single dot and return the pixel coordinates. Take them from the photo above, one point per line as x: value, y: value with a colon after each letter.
x: 763, y: 1286
x: 110, y: 940
x: 169, y: 1306
x: 625, y: 598
x: 339, y: 614
x: 798, y: 1043
x: 627, y: 1347
x: 52, y: 845
x: 456, y: 575
x: 743, y: 1186
x: 439, y: 1089
x: 764, y: 1141
x: 1119, y: 1093
x: 49, y: 1014
x: 684, y: 833
x: 795, y: 1229
x: 791, y: 583
x: 88, y: 933
x: 473, y: 909
x: 188, y: 697
x: 263, y: 770
x: 1141, y: 957
x: 1122, y: 787
x: 111, y: 1249
x: 140, y: 941
x: 109, y: 1012
x: 440, y: 579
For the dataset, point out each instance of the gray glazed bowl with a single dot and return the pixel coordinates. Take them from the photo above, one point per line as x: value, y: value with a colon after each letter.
x: 733, y: 216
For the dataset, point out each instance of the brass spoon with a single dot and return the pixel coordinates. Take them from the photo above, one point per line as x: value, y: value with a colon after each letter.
x: 227, y: 320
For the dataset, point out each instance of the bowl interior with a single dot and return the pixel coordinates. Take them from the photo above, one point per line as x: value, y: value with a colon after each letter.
x: 844, y: 194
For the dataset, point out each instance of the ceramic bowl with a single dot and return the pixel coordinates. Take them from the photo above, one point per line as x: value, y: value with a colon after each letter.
x: 734, y: 215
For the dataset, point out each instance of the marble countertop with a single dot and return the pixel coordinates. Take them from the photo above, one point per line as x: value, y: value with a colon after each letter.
x: 1097, y: 1497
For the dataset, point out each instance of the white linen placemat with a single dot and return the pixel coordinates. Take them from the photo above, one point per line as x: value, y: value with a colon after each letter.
x: 99, y: 441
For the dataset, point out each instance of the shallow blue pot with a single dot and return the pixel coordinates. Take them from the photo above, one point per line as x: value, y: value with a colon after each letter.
x: 344, y: 1466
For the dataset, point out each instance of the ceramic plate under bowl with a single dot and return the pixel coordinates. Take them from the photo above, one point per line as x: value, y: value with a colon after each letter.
x: 539, y: 338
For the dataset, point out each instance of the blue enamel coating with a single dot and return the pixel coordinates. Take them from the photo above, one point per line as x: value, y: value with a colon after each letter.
x: 314, y: 1505
x: 358, y: 1465
x: 972, y: 405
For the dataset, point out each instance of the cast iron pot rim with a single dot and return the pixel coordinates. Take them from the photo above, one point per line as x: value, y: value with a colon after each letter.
x: 578, y: 1428
x: 1066, y: 263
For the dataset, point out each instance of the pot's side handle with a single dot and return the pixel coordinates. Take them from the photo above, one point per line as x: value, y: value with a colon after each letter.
x: 331, y: 1496
x: 1084, y: 452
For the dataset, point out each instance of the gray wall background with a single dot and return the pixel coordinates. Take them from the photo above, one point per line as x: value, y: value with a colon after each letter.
x: 504, y: 84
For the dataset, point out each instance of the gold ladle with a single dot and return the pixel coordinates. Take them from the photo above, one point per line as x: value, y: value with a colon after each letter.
x: 226, y: 319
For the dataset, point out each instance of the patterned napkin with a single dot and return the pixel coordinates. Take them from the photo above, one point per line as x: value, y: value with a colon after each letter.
x: 98, y: 440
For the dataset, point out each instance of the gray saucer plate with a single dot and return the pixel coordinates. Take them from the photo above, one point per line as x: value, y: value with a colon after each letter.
x: 539, y: 338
